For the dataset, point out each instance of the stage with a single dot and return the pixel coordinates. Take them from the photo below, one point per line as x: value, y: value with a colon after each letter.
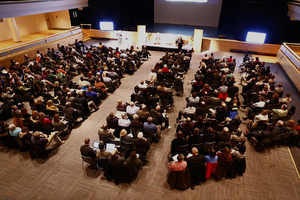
x: 149, y: 45
x: 167, y: 47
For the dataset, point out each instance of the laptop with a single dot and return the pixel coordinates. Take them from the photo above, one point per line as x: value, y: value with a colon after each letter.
x: 110, y: 147
x: 96, y: 145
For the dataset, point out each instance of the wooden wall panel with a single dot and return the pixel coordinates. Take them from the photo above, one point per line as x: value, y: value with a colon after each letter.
x: 215, y: 44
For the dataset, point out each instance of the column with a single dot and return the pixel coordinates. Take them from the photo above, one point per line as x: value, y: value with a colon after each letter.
x: 14, y: 29
x: 198, y: 34
x: 141, y: 35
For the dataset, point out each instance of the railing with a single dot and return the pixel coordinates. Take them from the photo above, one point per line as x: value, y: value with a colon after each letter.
x: 290, y: 54
x: 82, y: 25
x: 23, y: 1
x: 28, y: 45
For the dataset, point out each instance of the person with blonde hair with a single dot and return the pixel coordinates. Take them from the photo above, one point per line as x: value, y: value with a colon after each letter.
x: 124, y: 137
x: 121, y: 106
x: 44, y: 119
x: 51, y: 106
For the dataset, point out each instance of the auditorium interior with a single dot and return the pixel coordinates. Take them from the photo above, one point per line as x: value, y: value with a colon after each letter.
x: 67, y: 39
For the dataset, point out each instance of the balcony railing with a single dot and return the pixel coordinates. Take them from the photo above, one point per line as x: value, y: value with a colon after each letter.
x: 34, y: 43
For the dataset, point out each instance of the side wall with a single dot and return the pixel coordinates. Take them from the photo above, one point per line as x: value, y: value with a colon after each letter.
x: 60, y: 19
x: 5, y: 31
x: 31, y: 24
x: 26, y: 25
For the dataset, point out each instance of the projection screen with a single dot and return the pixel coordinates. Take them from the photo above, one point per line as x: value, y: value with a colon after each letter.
x: 188, y: 12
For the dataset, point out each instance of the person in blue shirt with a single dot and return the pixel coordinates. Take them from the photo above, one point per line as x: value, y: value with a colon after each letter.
x: 212, y: 157
x: 13, y: 130
x: 91, y: 93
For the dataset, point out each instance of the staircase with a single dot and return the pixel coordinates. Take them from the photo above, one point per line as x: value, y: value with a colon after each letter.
x: 86, y: 37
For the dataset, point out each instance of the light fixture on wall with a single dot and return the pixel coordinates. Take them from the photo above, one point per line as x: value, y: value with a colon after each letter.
x: 81, y: 8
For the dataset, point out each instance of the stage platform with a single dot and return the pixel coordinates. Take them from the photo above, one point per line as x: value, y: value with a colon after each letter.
x: 167, y: 47
x: 150, y: 45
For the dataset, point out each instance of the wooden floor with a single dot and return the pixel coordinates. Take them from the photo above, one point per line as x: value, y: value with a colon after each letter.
x: 27, y: 38
x: 269, y: 175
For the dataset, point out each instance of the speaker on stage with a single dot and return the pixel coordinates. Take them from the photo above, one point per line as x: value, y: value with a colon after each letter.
x: 222, y: 36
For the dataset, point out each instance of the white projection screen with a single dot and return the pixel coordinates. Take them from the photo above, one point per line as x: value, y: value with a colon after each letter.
x: 188, y: 12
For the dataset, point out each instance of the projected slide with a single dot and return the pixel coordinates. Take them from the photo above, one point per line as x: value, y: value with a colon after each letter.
x: 256, y: 37
x: 106, y: 26
x: 201, y: 1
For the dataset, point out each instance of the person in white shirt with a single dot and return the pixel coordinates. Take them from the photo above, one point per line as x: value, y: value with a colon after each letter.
x: 124, y: 122
x: 142, y: 85
x: 194, y: 98
x: 238, y: 136
x: 132, y: 109
x: 279, y: 88
x: 83, y: 83
x: 190, y: 110
x: 225, y: 69
x: 287, y: 99
x: 79, y: 61
x: 240, y: 152
x: 263, y: 116
x: 152, y: 76
x: 260, y: 104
